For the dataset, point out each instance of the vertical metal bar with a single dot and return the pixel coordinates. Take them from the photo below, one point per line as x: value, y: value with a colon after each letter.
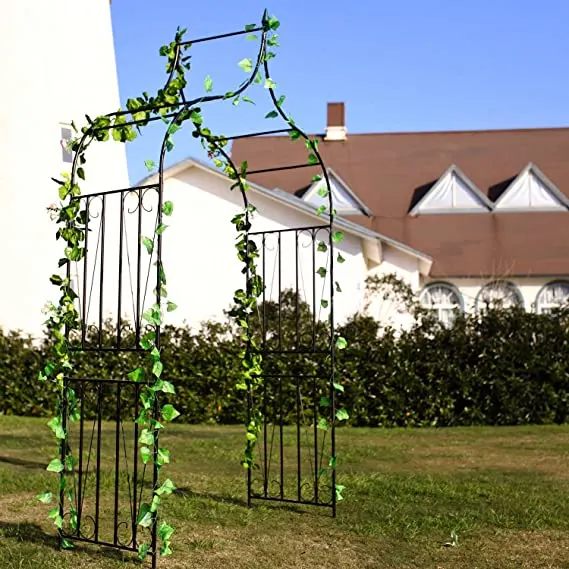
x: 138, y: 269
x: 332, y: 361
x: 250, y: 401
x: 264, y: 316
x: 117, y: 464
x: 81, y: 437
x: 119, y: 304
x: 281, y: 434
x: 280, y: 291
x: 98, y: 472
x: 313, y: 232
x: 296, y: 314
x: 135, y: 467
x: 85, y: 273
x: 102, y: 272
x: 315, y: 411
x: 265, y: 463
x: 155, y: 478
x: 298, y: 451
x: 63, y: 451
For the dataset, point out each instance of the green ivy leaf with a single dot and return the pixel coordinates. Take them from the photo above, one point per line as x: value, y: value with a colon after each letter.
x: 322, y: 424
x: 146, y: 454
x: 342, y: 415
x: 324, y: 401
x: 247, y: 100
x: 157, y: 368
x: 321, y: 209
x: 143, y: 550
x: 45, y: 498
x: 341, y: 343
x: 167, y: 209
x: 55, y: 465
x: 56, y: 426
x: 322, y: 247
x: 145, y: 517
x: 169, y: 413
x: 171, y: 306
x: 332, y: 463
x: 251, y: 37
x: 166, y: 488
x: 163, y: 456
x: 150, y: 165
x: 146, y: 438
x: 246, y: 64
x: 147, y: 242
x: 164, y: 386
x: 339, y: 387
x: 340, y: 259
x: 338, y: 287
x: 312, y: 158
x: 272, y: 115
x: 208, y: 84
x: 273, y: 23
x: 324, y: 303
x: 136, y: 375
x: 270, y: 84
x: 155, y: 504
x: 337, y: 237
x: 250, y: 27
x: 66, y: 544
x: 161, y: 228
x: 322, y: 272
x: 165, y: 531
x: 339, y: 490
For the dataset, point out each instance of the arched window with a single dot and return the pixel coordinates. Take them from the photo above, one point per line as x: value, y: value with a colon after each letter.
x: 499, y: 294
x: 444, y: 300
x: 553, y: 295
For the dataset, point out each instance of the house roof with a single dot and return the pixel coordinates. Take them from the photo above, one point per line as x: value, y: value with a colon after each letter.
x: 425, y: 262
x: 390, y: 173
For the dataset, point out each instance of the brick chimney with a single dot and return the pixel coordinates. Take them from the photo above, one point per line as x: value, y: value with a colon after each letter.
x: 336, y: 122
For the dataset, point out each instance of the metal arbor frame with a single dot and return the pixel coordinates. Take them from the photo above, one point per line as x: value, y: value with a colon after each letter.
x: 114, y: 461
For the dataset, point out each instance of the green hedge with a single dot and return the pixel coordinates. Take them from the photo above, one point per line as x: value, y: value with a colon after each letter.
x: 505, y: 367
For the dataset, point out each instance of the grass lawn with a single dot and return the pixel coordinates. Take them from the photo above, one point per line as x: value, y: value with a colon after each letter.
x: 505, y: 491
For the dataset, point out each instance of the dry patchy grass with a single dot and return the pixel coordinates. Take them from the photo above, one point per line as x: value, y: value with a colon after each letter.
x: 503, y: 490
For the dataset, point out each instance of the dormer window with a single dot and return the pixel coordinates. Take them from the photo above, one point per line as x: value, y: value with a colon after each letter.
x: 532, y: 190
x: 344, y: 200
x: 454, y: 192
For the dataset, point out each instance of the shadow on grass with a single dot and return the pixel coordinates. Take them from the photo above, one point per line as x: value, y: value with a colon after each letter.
x: 255, y: 503
x: 32, y: 533
x: 32, y: 464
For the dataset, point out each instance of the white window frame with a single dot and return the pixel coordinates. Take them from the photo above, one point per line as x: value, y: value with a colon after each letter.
x: 546, y: 308
x: 507, y: 286
x: 441, y: 309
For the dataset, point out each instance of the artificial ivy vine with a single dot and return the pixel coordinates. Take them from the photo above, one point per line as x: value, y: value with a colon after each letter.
x: 63, y: 317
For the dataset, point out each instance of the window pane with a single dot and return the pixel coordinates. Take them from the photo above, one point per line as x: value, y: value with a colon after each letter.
x: 66, y: 155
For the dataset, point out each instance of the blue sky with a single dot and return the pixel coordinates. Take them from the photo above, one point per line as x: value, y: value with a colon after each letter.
x: 402, y: 65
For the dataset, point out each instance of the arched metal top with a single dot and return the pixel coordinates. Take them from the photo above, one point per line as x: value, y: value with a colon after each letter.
x: 179, y: 112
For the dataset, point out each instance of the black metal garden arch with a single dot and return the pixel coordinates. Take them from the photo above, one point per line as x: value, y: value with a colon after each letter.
x: 289, y: 458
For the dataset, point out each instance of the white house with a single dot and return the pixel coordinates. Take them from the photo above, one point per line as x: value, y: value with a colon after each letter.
x: 489, y: 208
x: 57, y: 62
